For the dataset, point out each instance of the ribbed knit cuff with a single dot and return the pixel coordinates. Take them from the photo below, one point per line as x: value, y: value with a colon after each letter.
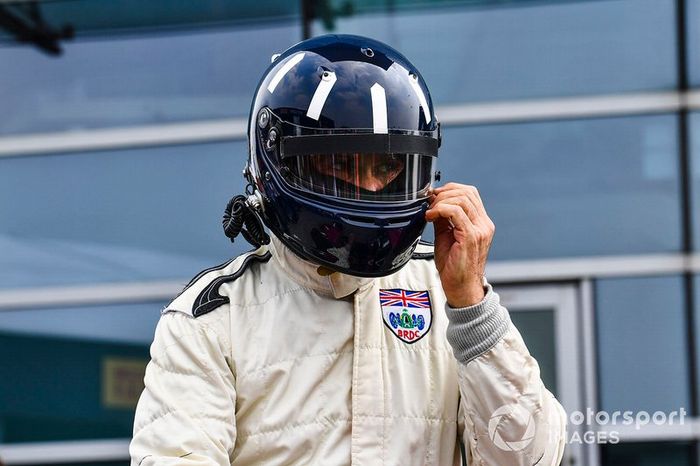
x: 473, y: 330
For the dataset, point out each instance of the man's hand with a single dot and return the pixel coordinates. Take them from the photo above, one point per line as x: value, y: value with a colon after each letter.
x: 463, y: 235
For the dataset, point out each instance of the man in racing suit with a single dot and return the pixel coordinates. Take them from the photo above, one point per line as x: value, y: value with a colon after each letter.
x: 271, y: 358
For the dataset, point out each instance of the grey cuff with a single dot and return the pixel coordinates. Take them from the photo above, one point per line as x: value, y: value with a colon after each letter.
x: 473, y: 330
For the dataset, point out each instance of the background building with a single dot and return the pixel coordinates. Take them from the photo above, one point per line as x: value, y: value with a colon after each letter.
x: 579, y: 121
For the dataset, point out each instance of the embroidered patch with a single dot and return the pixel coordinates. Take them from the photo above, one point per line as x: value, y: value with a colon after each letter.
x: 408, y: 314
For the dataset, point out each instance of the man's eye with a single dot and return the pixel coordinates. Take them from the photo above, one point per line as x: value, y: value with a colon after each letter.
x: 390, y: 166
x: 326, y: 164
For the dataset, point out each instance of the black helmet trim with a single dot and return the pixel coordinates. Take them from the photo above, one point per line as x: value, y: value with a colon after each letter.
x: 292, y: 146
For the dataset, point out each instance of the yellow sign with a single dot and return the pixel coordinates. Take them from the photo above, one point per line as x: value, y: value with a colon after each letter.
x: 122, y: 381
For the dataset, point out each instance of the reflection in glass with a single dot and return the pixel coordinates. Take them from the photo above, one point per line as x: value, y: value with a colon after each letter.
x: 134, y: 80
x: 696, y: 310
x: 693, y: 40
x: 572, y: 188
x: 537, y: 330
x: 642, y: 344
x: 525, y: 49
x: 130, y: 215
x: 694, y: 144
x: 647, y: 454
x: 131, y: 324
x: 76, y: 373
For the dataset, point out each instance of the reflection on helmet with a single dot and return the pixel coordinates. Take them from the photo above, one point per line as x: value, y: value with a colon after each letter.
x: 343, y: 146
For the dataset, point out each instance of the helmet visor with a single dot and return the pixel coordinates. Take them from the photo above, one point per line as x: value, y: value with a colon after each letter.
x: 362, y: 176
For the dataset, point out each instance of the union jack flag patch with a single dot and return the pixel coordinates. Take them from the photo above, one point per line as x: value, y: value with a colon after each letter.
x: 408, y: 314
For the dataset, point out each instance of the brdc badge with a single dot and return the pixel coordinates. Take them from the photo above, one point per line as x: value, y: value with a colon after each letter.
x: 408, y: 314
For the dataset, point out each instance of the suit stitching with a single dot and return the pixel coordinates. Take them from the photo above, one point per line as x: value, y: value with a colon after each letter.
x: 355, y: 365
x: 158, y: 415
x: 405, y: 348
x: 216, y: 268
x: 206, y: 369
x: 171, y: 370
x: 201, y: 326
x: 511, y: 385
x: 408, y: 349
x: 381, y: 375
x: 330, y: 421
x: 326, y: 423
x: 210, y: 299
x: 428, y: 453
x: 201, y: 274
x: 407, y: 418
x: 297, y: 358
x: 262, y: 303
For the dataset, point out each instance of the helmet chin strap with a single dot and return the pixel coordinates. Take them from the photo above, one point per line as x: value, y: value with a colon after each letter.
x: 241, y: 217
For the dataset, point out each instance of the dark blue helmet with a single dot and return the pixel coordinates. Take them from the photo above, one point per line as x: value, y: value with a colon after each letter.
x: 343, y: 142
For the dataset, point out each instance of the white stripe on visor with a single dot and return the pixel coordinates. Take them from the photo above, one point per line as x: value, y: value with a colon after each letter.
x: 379, y: 109
x: 319, y: 99
x: 291, y: 63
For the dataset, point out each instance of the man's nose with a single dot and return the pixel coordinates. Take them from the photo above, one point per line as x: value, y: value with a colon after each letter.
x: 372, y: 184
x: 370, y: 181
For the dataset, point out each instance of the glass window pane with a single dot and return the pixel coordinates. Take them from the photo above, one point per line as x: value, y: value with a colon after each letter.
x: 138, y: 79
x: 693, y: 40
x: 89, y: 18
x: 128, y: 215
x: 642, y: 344
x: 524, y: 49
x: 694, y: 143
x: 571, y: 188
x: 75, y: 373
x: 696, y: 310
x: 131, y: 324
x: 537, y: 329
x: 647, y: 454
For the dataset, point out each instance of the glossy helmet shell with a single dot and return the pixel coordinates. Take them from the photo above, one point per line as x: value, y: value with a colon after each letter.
x: 361, y: 238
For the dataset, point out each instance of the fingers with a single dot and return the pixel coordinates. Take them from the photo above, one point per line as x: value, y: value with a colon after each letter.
x: 468, y: 198
x: 465, y: 203
x: 455, y: 189
x: 455, y: 214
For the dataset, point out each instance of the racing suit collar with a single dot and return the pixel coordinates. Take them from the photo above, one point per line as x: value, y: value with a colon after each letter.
x: 307, y: 273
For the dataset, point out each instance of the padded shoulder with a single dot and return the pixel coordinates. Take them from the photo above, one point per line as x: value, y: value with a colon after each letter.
x: 201, y: 295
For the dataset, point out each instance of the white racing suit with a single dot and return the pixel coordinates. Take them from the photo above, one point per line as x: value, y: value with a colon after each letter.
x: 265, y: 361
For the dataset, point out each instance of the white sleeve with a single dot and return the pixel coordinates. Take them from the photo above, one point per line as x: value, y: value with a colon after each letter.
x: 507, y: 415
x: 186, y: 413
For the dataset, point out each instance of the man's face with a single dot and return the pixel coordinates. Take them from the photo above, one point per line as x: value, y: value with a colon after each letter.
x: 371, y: 172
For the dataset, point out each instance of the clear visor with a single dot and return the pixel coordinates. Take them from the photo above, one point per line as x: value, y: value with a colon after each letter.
x: 360, y: 176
